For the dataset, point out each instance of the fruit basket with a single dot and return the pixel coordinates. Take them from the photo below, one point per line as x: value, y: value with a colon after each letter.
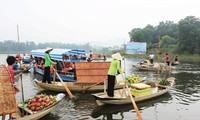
x: 37, y: 103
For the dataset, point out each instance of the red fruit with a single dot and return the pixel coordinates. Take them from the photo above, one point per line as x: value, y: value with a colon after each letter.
x: 37, y: 108
x: 33, y: 100
x: 40, y: 100
x: 32, y: 108
x: 44, y: 99
x: 37, y: 104
x: 47, y: 104
x: 29, y: 106
x: 33, y: 104
x: 37, y: 97
x: 47, y: 101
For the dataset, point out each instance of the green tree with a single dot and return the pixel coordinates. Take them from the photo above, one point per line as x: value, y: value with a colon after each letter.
x: 167, y: 28
x: 168, y: 44
x: 189, y: 35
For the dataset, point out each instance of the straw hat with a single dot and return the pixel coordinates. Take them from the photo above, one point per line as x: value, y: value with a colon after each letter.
x: 48, y: 49
x: 117, y: 56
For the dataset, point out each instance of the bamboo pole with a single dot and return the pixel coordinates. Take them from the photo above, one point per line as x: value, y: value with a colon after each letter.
x: 66, y: 88
x: 22, y: 88
x: 92, y: 86
x: 18, y: 37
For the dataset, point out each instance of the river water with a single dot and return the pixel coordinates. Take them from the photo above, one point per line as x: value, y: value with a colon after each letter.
x: 180, y: 103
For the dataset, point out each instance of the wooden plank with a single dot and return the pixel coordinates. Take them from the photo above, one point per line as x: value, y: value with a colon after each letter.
x: 91, y: 72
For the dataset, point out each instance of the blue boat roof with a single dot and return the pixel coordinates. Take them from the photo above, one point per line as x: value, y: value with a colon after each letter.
x: 57, y: 54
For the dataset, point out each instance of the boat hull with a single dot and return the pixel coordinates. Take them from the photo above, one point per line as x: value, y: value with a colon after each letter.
x: 65, y: 78
x: 120, y: 98
x: 58, y: 86
x: 154, y: 67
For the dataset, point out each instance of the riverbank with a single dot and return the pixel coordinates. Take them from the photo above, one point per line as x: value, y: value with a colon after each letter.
x: 181, y: 57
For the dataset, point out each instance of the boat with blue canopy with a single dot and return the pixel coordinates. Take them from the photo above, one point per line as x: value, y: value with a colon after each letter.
x: 65, y: 59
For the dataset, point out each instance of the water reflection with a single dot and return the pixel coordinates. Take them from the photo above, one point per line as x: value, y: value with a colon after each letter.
x: 110, y: 112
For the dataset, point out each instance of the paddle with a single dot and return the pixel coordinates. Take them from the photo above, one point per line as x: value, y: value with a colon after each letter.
x: 66, y: 88
x: 134, y: 104
x: 83, y: 91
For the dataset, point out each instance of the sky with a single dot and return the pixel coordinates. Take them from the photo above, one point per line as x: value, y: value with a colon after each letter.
x: 98, y: 22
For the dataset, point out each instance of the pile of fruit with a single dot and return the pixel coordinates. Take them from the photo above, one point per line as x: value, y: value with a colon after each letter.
x: 39, y: 102
x: 133, y: 78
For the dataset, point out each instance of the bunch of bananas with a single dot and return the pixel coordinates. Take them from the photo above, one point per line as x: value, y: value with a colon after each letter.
x: 133, y: 78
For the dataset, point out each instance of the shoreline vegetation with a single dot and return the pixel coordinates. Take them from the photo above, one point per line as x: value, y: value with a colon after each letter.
x: 182, y: 57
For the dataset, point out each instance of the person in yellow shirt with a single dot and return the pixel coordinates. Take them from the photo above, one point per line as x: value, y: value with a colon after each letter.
x: 112, y: 72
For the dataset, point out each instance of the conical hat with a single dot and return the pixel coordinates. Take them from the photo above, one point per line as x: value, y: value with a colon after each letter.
x: 48, y: 49
x: 117, y: 56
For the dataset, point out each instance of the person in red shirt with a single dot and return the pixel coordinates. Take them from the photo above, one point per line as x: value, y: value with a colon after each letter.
x: 167, y: 59
x: 11, y: 61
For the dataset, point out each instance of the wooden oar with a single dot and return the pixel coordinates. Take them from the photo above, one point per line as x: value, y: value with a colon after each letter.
x: 134, y: 104
x: 91, y: 86
x: 66, y: 88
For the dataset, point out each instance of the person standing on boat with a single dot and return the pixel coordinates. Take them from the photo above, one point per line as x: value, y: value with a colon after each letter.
x: 47, y: 65
x: 151, y: 56
x: 167, y: 59
x: 112, y: 72
x: 90, y: 54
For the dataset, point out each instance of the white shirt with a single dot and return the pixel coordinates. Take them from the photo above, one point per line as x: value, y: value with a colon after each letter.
x: 151, y: 56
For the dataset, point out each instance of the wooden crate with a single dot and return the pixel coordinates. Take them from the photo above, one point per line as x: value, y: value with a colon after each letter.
x: 91, y: 72
x: 7, y: 95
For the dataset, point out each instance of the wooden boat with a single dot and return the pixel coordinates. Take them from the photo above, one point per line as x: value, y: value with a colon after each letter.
x: 175, y: 63
x: 37, y: 115
x: 26, y: 58
x: 153, y: 67
x: 67, y: 77
x: 120, y: 99
x: 61, y: 56
x: 73, y: 86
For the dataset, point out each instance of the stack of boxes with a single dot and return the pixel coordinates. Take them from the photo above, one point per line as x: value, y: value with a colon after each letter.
x: 140, y: 89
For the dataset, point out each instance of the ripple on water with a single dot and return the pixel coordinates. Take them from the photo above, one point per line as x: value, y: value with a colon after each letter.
x: 185, y: 99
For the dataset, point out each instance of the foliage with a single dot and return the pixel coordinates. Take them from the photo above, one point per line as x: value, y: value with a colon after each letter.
x: 189, y: 35
x: 182, y: 38
x: 164, y: 82
x: 10, y: 46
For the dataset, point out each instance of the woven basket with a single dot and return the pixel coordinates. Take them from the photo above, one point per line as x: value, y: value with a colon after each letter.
x: 7, y: 95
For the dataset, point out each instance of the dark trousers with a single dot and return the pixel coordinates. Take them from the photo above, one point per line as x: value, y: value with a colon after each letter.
x: 151, y: 60
x: 168, y: 63
x: 111, y: 85
x: 47, y: 76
